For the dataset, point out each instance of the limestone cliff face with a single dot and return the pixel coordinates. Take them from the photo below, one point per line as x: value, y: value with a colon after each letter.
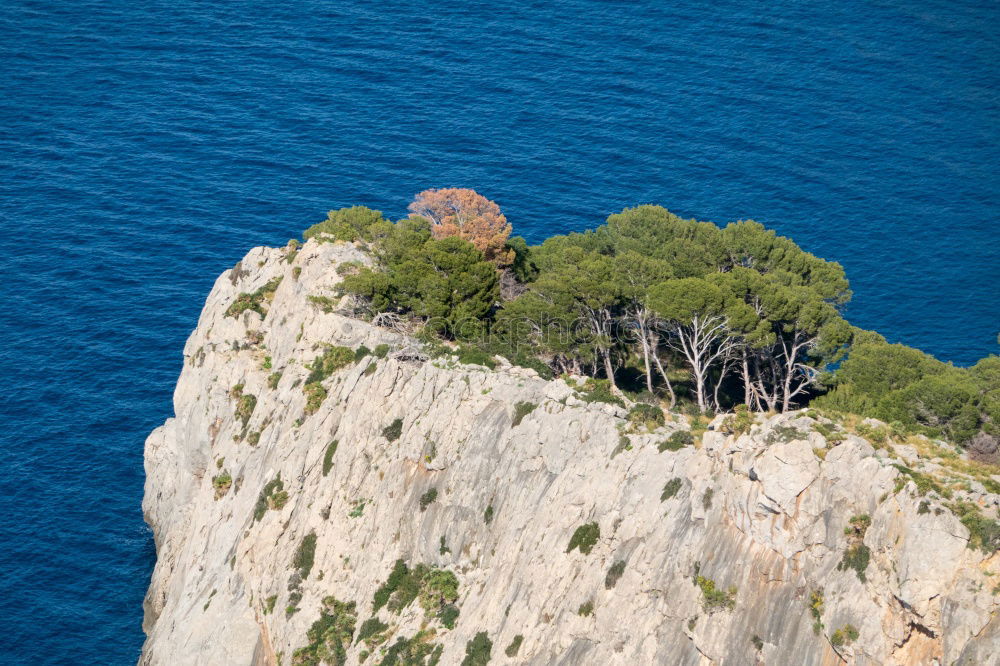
x: 477, y: 485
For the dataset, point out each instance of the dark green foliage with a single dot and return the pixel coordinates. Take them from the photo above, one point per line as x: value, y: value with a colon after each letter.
x: 254, y: 301
x: 329, y: 636
x: 586, y: 609
x: 715, y: 598
x: 382, y: 595
x: 856, y: 557
x: 415, y: 651
x: 448, y: 615
x: 858, y: 525
x: 488, y: 515
x: 478, y: 650
x: 893, y: 382
x: 328, y: 457
x: 925, y: 507
x: 924, y: 483
x: 598, y: 390
x: 361, y: 352
x: 272, y: 496
x: 706, y: 499
x: 381, y: 351
x: 269, y: 604
x: 332, y: 359
x: 436, y: 589
x: 614, y: 573
x: 521, y: 410
x: 446, y: 282
x: 427, y: 498
x: 844, y: 636
x: 244, y: 408
x: 370, y: 370
x: 671, y: 489
x: 273, y: 379
x: 515, y: 645
x: 371, y: 632
x: 650, y: 416
x: 984, y: 533
x: 816, y: 610
x: 677, y: 441
x: 470, y: 355
x: 584, y: 538
x: 349, y: 224
x: 758, y: 644
x: 392, y: 431
x: 305, y: 555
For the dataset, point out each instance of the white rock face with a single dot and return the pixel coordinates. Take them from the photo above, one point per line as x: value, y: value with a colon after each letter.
x: 760, y: 512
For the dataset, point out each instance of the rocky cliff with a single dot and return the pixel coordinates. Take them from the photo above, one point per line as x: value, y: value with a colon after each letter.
x: 391, y: 508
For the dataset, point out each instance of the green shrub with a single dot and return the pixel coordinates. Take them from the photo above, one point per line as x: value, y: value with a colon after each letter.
x: 488, y: 515
x: 254, y: 301
x: 924, y: 483
x: 305, y: 555
x: 515, y: 646
x: 328, y: 457
x: 382, y: 594
x: 650, y: 416
x: 222, y: 482
x: 478, y: 650
x: 448, y: 615
x: 392, y: 431
x: 677, y: 441
x: 671, y: 489
x: 757, y: 642
x: 273, y: 379
x: 584, y: 538
x: 372, y: 632
x: 521, y: 410
x: 332, y: 359
x: 740, y: 421
x: 856, y: 557
x: 474, y: 356
x: 269, y: 604
x: 844, y: 636
x: 599, y: 390
x: 381, y: 351
x: 244, y: 408
x: 586, y: 609
x: 315, y: 395
x: 361, y: 352
x: 816, y: 609
x: 713, y: 597
x: 427, y: 498
x: 984, y: 533
x: 614, y: 574
x: 349, y: 224
x: 858, y: 525
x: 272, y: 496
x: 330, y: 636
x: 370, y: 370
x: 706, y: 499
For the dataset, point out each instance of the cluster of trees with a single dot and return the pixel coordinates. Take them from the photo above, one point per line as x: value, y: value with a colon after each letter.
x: 896, y: 383
x: 682, y: 309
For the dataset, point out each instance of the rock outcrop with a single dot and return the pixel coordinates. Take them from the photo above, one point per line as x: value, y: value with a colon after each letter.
x: 273, y: 507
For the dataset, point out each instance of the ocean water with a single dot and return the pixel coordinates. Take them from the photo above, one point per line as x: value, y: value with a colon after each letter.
x: 144, y: 147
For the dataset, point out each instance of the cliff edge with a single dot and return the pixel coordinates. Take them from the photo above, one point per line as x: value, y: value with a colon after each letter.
x: 313, y: 506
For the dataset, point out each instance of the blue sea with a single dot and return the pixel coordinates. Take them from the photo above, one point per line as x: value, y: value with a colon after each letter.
x: 145, y: 146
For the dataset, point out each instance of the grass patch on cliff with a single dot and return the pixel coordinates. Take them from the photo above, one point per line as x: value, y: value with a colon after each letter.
x: 713, y: 597
x: 514, y: 646
x: 478, y: 651
x: 222, y: 482
x: 332, y: 359
x: 255, y: 300
x: 671, y: 489
x: 984, y: 533
x: 676, y: 441
x: 328, y: 457
x: 392, y: 431
x: 584, y: 538
x: 436, y: 589
x: 844, y: 636
x: 330, y: 636
x: 427, y: 498
x: 305, y: 555
x: 272, y: 496
x: 614, y: 574
x: 521, y: 410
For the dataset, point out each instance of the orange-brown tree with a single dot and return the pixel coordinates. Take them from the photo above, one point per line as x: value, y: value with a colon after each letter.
x: 465, y: 213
